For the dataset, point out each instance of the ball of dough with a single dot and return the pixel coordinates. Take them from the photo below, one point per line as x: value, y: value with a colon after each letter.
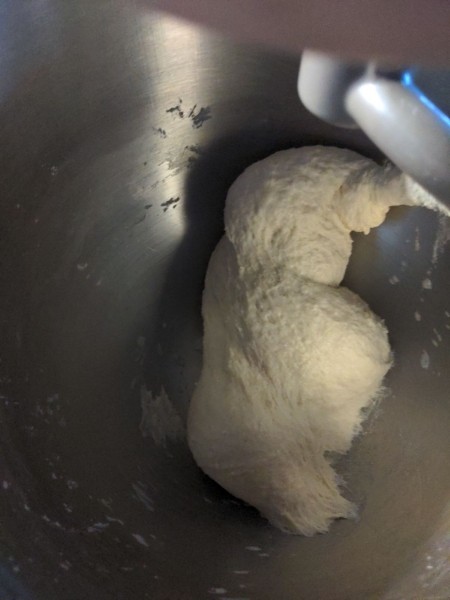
x: 290, y: 358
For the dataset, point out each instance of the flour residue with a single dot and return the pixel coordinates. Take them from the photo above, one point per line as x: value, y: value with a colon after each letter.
x: 160, y: 420
x: 437, y: 334
x: 424, y: 360
x: 417, y: 240
x: 217, y: 591
x: 442, y: 237
x: 140, y: 539
x: 141, y: 495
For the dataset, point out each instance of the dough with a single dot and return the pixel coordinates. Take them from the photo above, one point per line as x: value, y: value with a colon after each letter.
x: 290, y: 358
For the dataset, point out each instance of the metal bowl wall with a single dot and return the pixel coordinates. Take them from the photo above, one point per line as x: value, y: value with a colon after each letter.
x: 121, y: 131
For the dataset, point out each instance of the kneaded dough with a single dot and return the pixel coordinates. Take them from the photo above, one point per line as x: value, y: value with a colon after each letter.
x: 291, y: 359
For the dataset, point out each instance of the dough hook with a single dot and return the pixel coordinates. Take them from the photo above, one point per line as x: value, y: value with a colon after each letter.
x: 389, y: 107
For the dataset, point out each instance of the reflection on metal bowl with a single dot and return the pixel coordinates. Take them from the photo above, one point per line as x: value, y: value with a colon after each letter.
x: 121, y: 131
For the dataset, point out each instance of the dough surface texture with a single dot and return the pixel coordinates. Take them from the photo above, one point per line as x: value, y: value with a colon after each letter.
x: 291, y: 358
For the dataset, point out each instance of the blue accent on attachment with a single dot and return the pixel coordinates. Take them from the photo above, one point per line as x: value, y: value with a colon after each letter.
x: 408, y: 82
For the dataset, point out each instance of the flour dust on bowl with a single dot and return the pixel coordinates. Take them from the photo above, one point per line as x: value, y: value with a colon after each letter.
x: 121, y: 132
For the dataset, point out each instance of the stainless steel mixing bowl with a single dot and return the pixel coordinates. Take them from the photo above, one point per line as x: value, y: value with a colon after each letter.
x: 121, y: 131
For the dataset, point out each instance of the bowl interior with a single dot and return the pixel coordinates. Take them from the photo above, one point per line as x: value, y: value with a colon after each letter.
x: 122, y: 130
